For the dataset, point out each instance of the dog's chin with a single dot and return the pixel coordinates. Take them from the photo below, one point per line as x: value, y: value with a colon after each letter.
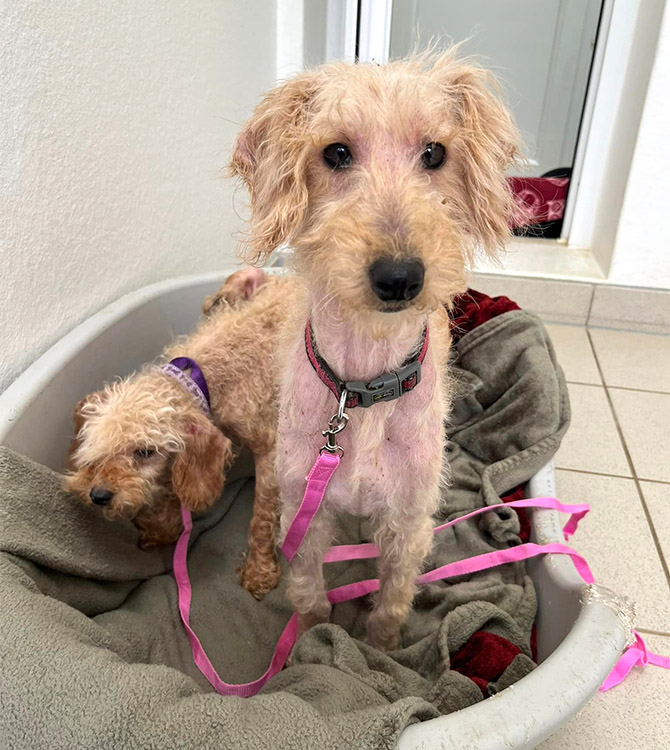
x: 115, y: 511
x: 393, y: 308
x: 122, y: 507
x: 382, y: 322
x: 402, y: 312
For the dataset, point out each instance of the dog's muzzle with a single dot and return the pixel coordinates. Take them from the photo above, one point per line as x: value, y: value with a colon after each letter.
x: 396, y: 281
x: 101, y: 496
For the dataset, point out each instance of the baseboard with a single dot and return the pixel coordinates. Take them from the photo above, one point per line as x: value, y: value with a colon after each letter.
x: 631, y: 308
x: 583, y: 303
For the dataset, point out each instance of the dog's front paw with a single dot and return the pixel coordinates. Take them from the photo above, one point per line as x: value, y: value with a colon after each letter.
x: 257, y: 579
x: 381, y: 634
x: 310, y: 619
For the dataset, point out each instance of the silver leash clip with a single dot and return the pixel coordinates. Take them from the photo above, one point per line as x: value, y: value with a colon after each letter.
x: 337, y: 423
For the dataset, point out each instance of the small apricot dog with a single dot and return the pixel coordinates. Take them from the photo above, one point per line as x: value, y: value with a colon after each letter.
x: 144, y: 445
x: 386, y: 180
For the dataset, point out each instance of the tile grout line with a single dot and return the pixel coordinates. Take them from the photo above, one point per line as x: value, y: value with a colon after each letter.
x: 594, y: 473
x: 631, y: 466
x: 646, y: 631
x: 588, y: 313
x: 638, y: 390
x: 611, y: 476
x: 619, y: 387
x: 653, y: 481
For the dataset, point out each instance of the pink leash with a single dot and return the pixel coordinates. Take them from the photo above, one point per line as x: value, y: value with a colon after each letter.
x: 635, y: 655
x: 317, y: 483
x: 282, y: 649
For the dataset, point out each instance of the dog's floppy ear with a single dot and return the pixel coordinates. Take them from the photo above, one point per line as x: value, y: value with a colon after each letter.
x: 270, y: 155
x: 78, y: 419
x: 198, y: 470
x: 488, y: 144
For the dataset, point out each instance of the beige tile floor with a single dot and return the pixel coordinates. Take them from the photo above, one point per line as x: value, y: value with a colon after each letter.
x: 616, y: 457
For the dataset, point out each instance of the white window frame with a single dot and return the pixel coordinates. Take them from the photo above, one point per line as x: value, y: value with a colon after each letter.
x: 605, y: 145
x: 342, y: 23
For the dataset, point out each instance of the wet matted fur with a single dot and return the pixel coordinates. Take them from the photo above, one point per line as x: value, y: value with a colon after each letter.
x: 146, y: 439
x: 385, y: 205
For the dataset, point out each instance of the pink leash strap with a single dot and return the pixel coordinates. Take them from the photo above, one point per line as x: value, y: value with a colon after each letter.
x: 282, y: 649
x: 635, y: 655
x: 365, y: 551
x: 317, y: 482
x: 464, y: 567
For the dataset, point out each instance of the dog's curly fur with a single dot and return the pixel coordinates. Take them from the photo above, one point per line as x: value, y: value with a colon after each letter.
x: 385, y: 205
x: 150, y: 410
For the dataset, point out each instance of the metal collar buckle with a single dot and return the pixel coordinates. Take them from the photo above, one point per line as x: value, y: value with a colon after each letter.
x: 386, y: 387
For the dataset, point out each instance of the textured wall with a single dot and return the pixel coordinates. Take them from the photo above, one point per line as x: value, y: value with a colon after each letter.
x: 116, y: 119
x: 641, y: 254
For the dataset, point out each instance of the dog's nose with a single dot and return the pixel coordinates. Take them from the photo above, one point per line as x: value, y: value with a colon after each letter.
x: 100, y: 495
x: 396, y: 281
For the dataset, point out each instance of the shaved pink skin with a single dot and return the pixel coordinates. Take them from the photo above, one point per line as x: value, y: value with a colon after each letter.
x: 393, y: 458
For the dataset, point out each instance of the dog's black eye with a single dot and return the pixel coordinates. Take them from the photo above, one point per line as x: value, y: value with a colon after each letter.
x: 337, y: 156
x: 144, y: 452
x: 434, y: 156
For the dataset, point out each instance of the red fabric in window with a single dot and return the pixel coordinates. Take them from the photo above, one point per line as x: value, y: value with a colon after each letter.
x: 538, y: 199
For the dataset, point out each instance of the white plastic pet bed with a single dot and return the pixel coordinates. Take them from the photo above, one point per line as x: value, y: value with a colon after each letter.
x: 581, y: 630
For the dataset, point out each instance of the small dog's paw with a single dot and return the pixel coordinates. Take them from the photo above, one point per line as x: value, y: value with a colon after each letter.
x: 259, y: 580
x: 213, y: 302
x: 382, y: 635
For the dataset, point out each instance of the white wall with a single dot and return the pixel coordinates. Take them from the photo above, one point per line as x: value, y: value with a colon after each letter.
x: 290, y: 38
x: 116, y: 119
x: 642, y: 247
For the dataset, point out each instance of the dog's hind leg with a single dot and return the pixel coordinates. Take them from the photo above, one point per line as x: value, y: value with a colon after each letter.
x: 404, y: 543
x: 261, y: 572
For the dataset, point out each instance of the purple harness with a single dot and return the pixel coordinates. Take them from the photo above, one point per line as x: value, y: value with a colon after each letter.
x: 194, y: 381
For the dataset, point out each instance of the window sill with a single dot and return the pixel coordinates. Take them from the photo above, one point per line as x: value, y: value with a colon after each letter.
x: 548, y: 259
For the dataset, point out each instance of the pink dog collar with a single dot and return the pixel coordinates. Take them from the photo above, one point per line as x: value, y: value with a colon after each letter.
x: 386, y: 387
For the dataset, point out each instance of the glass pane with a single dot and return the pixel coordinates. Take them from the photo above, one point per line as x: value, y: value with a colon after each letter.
x: 541, y: 52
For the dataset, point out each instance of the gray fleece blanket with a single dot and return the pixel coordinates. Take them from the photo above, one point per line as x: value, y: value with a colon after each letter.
x: 92, y: 653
